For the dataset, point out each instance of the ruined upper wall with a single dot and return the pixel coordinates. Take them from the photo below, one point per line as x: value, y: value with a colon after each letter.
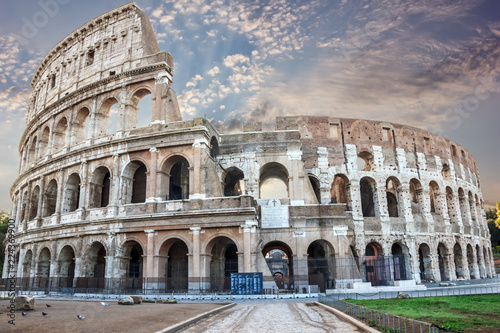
x: 335, y: 133
x: 115, y: 42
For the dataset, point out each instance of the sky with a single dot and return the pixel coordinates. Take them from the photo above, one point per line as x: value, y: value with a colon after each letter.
x: 433, y: 64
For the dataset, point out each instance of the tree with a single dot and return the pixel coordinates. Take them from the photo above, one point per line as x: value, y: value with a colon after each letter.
x: 493, y: 217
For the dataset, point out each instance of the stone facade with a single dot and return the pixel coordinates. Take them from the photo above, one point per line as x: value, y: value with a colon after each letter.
x: 318, y: 203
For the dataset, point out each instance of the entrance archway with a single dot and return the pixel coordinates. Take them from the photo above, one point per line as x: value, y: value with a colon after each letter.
x: 66, y: 267
x: 174, y: 261
x: 443, y: 262
x: 224, y: 261
x: 377, y: 267
x: 279, y: 259
x: 321, y: 265
x: 94, y: 267
x: 132, y: 264
x: 458, y: 259
x: 425, y: 262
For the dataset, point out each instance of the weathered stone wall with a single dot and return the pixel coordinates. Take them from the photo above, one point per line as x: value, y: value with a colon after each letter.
x: 178, y: 205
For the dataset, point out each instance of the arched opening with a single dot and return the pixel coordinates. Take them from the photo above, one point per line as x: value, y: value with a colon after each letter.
x: 214, y: 147
x: 458, y: 259
x: 107, y: 117
x: 399, y: 262
x: 80, y: 126
x: 177, y: 169
x: 66, y: 267
x: 140, y: 109
x: 134, y: 182
x: 72, y: 194
x: 339, y: 191
x: 392, y: 190
x: 27, y: 267
x: 321, y: 265
x: 43, y: 145
x: 133, y: 264
x: 43, y: 271
x: 174, y: 260
x: 377, y: 267
x: 446, y: 172
x: 425, y: 262
x: 35, y: 198
x: 94, y: 263
x: 434, y: 198
x: 59, y: 136
x: 470, y: 262
x: 234, y: 185
x: 273, y: 181
x: 364, y: 161
x: 224, y: 261
x: 279, y: 259
x: 50, y: 198
x: 416, y: 197
x: 100, y: 185
x: 315, y: 187
x: 368, y: 192
x: 443, y: 262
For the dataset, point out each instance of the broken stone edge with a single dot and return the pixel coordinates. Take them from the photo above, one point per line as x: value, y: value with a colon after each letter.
x: 359, y: 324
x: 183, y: 324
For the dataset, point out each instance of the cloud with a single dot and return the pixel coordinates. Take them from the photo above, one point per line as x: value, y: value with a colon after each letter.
x: 214, y: 71
x: 232, y: 60
x: 194, y: 81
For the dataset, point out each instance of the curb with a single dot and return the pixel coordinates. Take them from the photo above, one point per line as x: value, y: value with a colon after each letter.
x: 359, y: 324
x: 188, y: 322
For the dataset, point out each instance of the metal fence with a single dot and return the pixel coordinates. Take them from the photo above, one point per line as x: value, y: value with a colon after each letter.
x: 455, y: 291
x: 380, y: 320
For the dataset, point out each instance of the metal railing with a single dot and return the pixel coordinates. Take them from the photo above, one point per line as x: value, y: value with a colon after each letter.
x: 384, y: 322
x: 454, y: 291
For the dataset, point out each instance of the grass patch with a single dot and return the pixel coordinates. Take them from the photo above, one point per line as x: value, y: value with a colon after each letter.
x: 468, y: 313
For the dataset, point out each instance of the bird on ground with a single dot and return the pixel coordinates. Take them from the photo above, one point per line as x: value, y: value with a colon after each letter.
x: 80, y: 317
x: 104, y: 304
x: 49, y: 306
x: 44, y: 313
x: 24, y: 313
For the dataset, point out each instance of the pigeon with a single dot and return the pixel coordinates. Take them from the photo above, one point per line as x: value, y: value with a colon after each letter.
x: 49, y: 306
x: 104, y: 304
x: 44, y: 313
x: 80, y: 317
x: 24, y: 313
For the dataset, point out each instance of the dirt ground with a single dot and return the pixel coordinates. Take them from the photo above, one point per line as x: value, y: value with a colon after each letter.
x: 62, y: 316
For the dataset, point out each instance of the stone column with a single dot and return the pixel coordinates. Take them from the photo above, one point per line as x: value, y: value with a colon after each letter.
x: 114, y: 200
x: 195, y: 270
x: 405, y: 207
x: 151, y: 280
x: 248, y: 228
x: 50, y: 144
x: 60, y: 195
x: 39, y: 213
x: 153, y: 181
x: 84, y: 190
x: 195, y: 187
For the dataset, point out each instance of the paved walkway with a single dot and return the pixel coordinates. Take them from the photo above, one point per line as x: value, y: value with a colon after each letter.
x: 273, y: 316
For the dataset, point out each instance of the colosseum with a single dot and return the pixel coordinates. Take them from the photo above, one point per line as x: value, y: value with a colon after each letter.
x: 318, y: 203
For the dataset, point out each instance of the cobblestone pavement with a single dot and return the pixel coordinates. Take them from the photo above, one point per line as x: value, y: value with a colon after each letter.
x: 273, y: 317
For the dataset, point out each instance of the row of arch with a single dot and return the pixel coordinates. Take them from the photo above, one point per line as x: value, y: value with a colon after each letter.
x: 324, y: 269
x: 421, y: 200
x: 100, y: 186
x: 72, y: 128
